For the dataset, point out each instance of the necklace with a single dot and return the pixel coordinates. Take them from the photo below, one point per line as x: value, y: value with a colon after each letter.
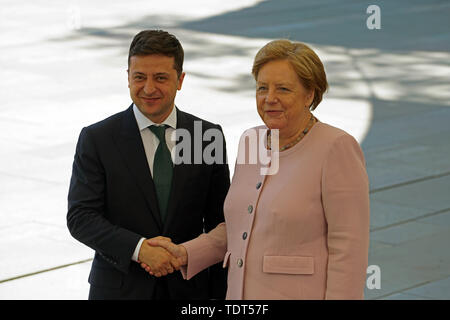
x: 311, y: 122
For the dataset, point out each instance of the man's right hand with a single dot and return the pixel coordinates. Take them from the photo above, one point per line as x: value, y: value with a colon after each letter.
x: 177, y: 251
x: 158, y: 258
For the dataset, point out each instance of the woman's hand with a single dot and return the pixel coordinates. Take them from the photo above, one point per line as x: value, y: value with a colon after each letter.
x: 177, y: 251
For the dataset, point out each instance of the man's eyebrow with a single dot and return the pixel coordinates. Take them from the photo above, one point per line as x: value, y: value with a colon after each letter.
x: 278, y: 84
x: 154, y: 74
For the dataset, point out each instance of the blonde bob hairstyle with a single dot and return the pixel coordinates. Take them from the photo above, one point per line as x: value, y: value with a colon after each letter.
x: 303, y: 59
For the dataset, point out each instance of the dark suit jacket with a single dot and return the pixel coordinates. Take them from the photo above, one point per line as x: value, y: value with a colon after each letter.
x: 112, y: 204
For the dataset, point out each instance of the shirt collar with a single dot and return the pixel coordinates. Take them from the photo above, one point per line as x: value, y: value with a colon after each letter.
x: 143, y: 122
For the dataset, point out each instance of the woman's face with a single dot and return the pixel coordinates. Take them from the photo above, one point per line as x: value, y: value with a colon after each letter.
x: 282, y: 101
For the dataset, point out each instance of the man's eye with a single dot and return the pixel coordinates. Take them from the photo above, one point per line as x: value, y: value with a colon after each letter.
x: 161, y: 78
x: 284, y: 89
x: 261, y: 88
x: 138, y: 78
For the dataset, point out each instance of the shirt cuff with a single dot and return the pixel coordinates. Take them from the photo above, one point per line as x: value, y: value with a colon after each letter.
x: 135, y: 256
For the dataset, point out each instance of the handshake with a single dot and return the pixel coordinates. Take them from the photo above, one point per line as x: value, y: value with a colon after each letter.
x: 159, y: 256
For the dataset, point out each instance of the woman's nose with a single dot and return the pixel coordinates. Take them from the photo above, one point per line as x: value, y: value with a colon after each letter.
x: 271, y: 97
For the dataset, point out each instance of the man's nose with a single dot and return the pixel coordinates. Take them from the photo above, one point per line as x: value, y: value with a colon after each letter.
x: 149, y: 87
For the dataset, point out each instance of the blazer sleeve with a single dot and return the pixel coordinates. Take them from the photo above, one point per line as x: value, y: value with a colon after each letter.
x: 86, y: 208
x: 345, y: 197
x: 205, y: 250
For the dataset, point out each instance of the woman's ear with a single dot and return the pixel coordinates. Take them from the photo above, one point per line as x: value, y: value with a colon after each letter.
x: 309, y: 99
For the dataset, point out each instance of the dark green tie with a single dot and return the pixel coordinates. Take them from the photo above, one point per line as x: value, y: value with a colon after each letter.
x: 162, y: 170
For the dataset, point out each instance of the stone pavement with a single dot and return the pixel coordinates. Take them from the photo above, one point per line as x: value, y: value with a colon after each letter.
x: 63, y: 67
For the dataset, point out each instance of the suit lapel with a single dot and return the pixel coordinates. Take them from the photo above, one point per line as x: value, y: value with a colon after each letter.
x: 180, y: 174
x: 129, y: 143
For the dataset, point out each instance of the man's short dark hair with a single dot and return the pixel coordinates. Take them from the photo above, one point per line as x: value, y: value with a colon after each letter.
x: 157, y: 42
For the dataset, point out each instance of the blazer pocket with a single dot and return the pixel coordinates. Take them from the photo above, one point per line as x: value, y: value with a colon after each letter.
x: 288, y: 264
x: 105, y: 278
x: 226, y: 259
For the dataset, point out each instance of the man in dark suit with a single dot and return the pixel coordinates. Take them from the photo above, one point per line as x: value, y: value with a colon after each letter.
x: 126, y: 189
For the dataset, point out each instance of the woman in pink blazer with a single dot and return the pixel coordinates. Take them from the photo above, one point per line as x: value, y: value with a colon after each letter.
x: 296, y: 227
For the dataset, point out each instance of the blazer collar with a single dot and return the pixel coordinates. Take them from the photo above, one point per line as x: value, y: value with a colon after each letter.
x: 129, y: 143
x: 143, y: 122
x: 180, y: 176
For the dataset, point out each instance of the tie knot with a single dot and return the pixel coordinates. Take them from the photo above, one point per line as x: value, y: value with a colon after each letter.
x: 159, y: 131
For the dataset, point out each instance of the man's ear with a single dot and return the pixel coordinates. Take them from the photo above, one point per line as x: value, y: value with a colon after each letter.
x: 180, y: 80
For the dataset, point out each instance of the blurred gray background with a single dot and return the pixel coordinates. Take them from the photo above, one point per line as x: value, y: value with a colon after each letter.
x: 63, y: 66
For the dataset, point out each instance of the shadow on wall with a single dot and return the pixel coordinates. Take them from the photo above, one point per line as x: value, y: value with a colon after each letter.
x: 399, y: 69
x: 339, y: 23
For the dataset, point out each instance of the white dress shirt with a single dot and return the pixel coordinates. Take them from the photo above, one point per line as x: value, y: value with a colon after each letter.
x: 151, y: 142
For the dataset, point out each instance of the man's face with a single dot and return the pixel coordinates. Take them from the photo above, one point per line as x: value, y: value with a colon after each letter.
x: 153, y: 84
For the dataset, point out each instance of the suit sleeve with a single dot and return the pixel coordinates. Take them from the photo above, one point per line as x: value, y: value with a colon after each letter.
x: 345, y: 196
x: 86, y: 208
x: 218, y: 189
